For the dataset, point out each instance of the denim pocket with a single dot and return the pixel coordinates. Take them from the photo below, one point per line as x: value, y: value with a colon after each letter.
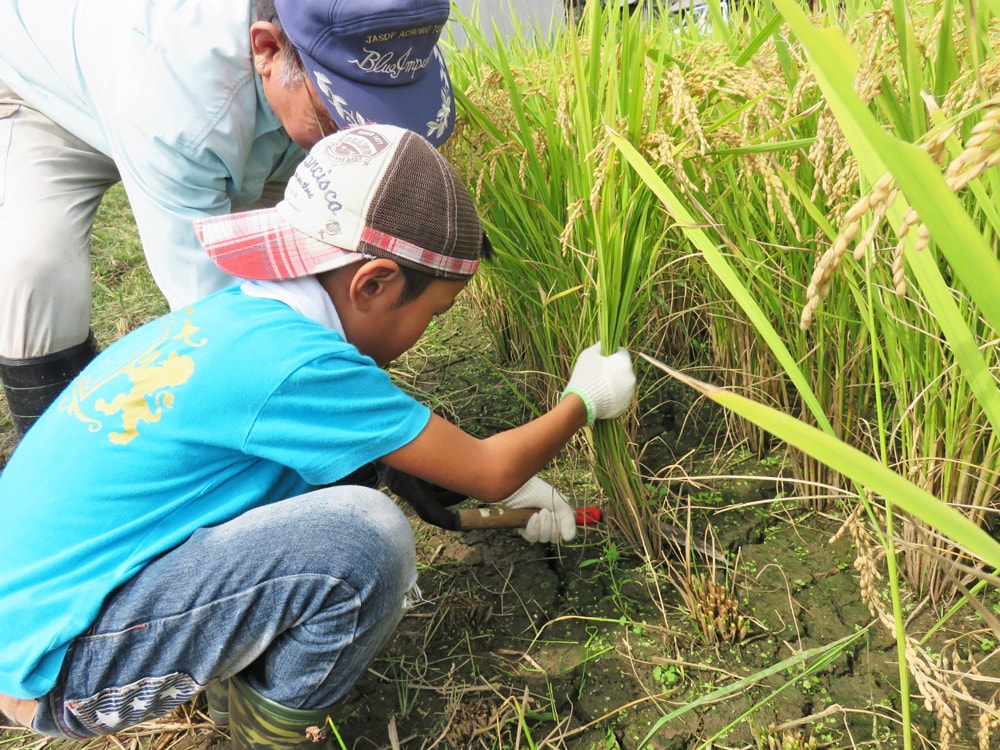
x: 91, y: 634
x: 7, y: 112
x: 116, y: 708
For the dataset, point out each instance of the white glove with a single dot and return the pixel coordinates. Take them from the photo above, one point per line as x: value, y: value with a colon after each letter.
x: 555, y: 519
x: 605, y: 384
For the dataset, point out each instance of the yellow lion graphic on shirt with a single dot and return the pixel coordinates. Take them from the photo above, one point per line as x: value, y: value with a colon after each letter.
x: 153, y: 377
x: 151, y: 384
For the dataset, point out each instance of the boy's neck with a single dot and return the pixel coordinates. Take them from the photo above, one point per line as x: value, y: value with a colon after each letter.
x: 305, y: 295
x: 337, y: 285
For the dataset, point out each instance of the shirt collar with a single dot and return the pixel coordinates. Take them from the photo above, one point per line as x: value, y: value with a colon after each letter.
x: 304, y: 295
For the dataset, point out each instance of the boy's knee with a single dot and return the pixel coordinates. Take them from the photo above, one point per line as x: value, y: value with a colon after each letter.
x: 370, y: 527
x: 369, y: 510
x: 388, y: 519
x: 384, y: 524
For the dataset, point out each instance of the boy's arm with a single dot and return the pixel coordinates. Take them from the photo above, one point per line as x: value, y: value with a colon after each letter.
x: 494, y: 468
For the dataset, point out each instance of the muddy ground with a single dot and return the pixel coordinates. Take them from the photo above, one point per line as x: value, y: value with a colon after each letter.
x: 586, y: 646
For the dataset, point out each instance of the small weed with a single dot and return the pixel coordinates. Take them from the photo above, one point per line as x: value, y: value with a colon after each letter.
x: 707, y: 499
x: 610, y: 557
x: 791, y: 740
x: 667, y: 675
x: 336, y: 734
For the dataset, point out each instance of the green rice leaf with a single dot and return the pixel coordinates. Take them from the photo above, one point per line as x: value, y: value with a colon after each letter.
x: 700, y: 239
x: 863, y: 469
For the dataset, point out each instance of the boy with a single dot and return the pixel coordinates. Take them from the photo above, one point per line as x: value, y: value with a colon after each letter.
x: 183, y: 538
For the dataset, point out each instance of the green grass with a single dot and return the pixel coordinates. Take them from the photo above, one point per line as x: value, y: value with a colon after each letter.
x: 124, y: 294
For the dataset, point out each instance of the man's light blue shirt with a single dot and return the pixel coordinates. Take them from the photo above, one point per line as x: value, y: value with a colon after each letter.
x: 168, y: 90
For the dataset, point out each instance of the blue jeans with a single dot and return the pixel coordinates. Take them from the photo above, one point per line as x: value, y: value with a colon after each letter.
x: 296, y: 597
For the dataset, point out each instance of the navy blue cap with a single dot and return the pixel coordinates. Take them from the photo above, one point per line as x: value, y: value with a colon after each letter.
x: 376, y: 61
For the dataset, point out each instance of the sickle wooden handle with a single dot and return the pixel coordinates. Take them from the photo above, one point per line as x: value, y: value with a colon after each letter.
x: 498, y: 517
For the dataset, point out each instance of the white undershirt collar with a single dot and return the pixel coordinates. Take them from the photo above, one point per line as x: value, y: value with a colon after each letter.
x: 305, y: 295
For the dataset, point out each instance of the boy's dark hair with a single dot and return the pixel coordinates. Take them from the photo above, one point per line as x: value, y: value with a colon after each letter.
x: 416, y: 281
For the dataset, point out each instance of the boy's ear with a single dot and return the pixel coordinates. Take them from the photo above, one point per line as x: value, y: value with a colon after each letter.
x: 375, y: 280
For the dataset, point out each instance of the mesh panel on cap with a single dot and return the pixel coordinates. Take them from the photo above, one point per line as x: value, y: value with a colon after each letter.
x: 422, y: 201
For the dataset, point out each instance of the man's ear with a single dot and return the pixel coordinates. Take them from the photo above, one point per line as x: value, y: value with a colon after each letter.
x: 266, y: 42
x: 376, y: 281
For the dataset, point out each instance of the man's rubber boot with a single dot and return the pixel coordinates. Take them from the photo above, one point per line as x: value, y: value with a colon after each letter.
x: 217, y: 697
x: 258, y: 723
x: 34, y: 383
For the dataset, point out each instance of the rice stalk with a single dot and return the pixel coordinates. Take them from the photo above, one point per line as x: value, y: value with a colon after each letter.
x: 871, y: 141
x: 750, y: 143
x: 931, y: 441
x: 581, y: 240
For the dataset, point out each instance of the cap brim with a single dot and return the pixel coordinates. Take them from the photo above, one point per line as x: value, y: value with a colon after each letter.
x: 261, y: 245
x: 426, y: 106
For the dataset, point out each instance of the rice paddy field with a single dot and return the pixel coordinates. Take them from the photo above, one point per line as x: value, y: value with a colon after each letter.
x: 788, y: 213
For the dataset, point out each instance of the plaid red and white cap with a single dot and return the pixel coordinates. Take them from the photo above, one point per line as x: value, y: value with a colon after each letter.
x: 373, y: 191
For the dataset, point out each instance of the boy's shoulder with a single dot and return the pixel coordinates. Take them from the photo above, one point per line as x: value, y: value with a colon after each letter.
x: 231, y: 325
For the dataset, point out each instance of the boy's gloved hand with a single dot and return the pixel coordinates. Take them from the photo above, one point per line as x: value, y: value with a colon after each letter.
x: 555, y: 519
x: 605, y: 384
x: 429, y: 501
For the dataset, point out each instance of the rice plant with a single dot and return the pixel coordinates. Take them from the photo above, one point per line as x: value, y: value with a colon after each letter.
x: 580, y: 237
x: 934, y: 420
x: 772, y: 193
x: 588, y: 254
x: 828, y: 205
x: 939, y: 342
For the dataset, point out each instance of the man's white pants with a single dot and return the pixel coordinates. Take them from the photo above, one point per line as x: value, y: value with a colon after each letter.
x: 51, y: 184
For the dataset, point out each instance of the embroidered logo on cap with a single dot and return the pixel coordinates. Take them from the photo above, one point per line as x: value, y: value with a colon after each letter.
x: 357, y: 146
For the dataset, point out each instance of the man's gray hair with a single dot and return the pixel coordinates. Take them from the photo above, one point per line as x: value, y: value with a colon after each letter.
x: 293, y: 74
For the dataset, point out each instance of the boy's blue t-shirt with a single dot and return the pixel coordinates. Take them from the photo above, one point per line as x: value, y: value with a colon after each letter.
x: 189, y: 421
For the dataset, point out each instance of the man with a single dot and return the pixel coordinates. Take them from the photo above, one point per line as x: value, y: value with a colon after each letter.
x: 199, y: 107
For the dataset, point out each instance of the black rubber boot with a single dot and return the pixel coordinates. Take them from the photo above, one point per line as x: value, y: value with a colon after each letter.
x: 34, y: 383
